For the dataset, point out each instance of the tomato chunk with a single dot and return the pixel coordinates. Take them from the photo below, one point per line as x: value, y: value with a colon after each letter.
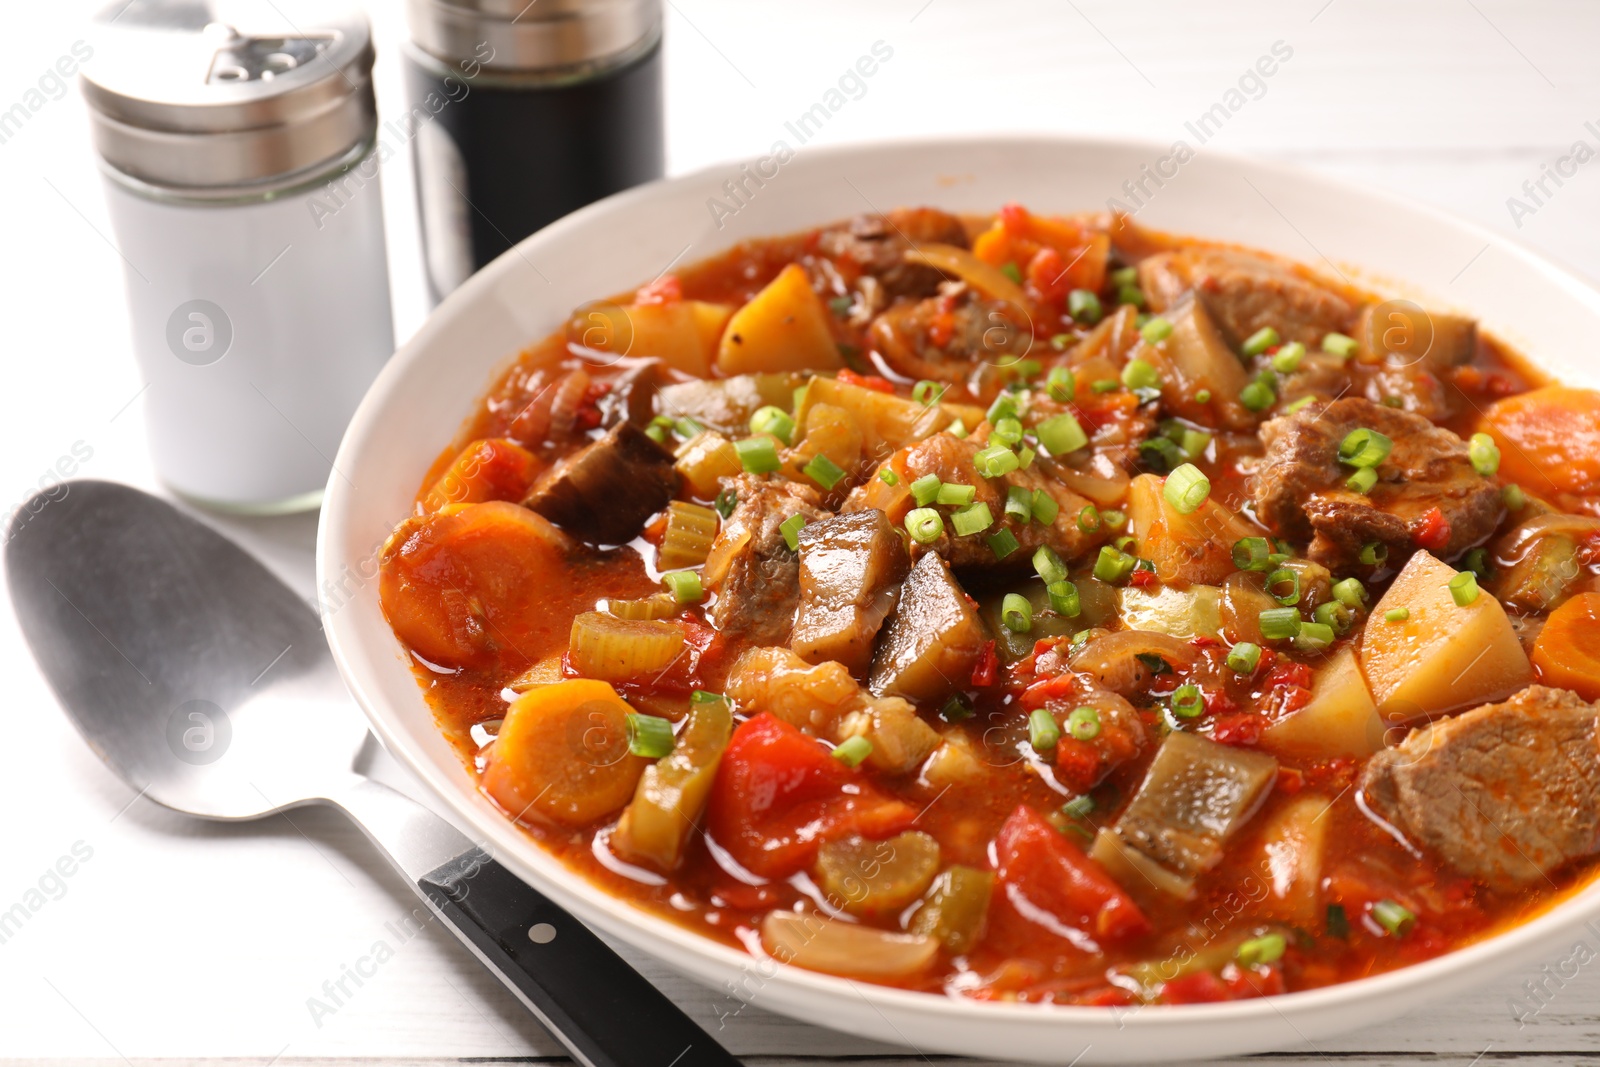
x: 1041, y: 870
x: 778, y: 795
x: 490, y: 469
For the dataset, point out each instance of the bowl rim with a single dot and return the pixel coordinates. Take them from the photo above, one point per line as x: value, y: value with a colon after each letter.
x: 703, y: 956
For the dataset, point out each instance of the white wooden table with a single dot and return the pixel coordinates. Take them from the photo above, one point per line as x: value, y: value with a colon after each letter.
x: 181, y: 941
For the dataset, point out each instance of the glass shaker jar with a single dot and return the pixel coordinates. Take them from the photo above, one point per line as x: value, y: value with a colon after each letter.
x: 522, y: 113
x: 237, y: 143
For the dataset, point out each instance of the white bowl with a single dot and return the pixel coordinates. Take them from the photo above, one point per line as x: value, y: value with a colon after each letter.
x: 419, y: 401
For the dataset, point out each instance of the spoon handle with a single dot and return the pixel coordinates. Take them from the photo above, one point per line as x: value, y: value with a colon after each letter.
x: 589, y: 997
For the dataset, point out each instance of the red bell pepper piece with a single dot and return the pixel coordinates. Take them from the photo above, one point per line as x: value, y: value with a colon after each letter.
x: 1041, y: 870
x: 778, y: 795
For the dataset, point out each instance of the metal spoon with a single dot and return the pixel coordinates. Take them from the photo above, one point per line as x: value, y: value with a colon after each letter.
x: 203, y: 681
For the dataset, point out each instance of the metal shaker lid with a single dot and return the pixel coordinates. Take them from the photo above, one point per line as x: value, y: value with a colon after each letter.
x: 531, y: 35
x: 212, y: 94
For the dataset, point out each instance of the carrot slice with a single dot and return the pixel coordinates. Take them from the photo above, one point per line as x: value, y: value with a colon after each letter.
x: 1568, y: 650
x: 1549, y: 439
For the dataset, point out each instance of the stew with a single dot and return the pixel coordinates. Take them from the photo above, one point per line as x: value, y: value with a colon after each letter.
x: 1029, y: 608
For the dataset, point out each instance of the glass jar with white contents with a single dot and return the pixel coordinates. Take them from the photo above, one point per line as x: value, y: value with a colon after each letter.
x: 237, y: 140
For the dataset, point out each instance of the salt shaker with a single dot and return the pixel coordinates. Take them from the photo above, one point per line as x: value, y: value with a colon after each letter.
x: 237, y: 139
x: 522, y: 113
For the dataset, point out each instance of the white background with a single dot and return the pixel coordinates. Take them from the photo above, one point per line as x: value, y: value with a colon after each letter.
x: 178, y: 939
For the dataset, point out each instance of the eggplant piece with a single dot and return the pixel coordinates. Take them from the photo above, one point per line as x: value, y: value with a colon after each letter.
x: 632, y: 395
x: 605, y: 491
x: 1196, y: 795
x: 932, y: 641
x: 851, y: 567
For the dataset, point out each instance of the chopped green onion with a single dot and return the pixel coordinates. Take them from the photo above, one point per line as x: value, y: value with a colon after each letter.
x: 685, y: 586
x: 1374, y: 553
x: 996, y: 461
x: 1022, y: 368
x: 924, y: 525
x: 1045, y: 507
x: 852, y: 751
x: 1364, y: 448
x: 790, y: 528
x: 1188, y: 702
x: 1259, y: 341
x: 1309, y: 398
x: 1113, y: 566
x: 1060, y: 341
x: 1060, y: 384
x: 1463, y: 588
x: 1194, y: 443
x: 1007, y: 431
x: 1079, y: 807
x: 1084, y: 723
x: 1286, y: 360
x: 927, y: 393
x: 1314, y: 637
x: 1262, y: 951
x: 1125, y: 276
x: 648, y: 735
x: 1338, y: 344
x: 1004, y: 407
x: 1104, y: 385
x: 1336, y: 616
x: 1244, y: 657
x: 957, y: 428
x: 1048, y: 565
x: 1156, y: 330
x: 1064, y: 599
x: 1186, y: 489
x: 1089, y: 520
x: 1084, y: 306
x: 1025, y: 457
x: 824, y: 471
x: 700, y: 696
x: 758, y: 455
x: 888, y: 477
x: 687, y: 428
x: 1397, y: 615
x: 1003, y: 543
x: 1131, y: 294
x: 656, y: 434
x: 1012, y: 271
x: 726, y: 501
x: 972, y: 519
x: 1258, y: 396
x: 841, y: 305
x: 1016, y: 613
x: 1160, y: 454
x: 1019, y: 504
x: 1113, y: 518
x: 773, y: 420
x: 1280, y: 624
x: 956, y: 496
x: 1484, y: 453
x: 1351, y: 593
x: 1363, y: 480
x: 1139, y: 374
x: 1277, y: 590
x: 1061, y: 434
x: 1515, y: 499
x: 1395, y: 918
x: 1124, y: 543
x: 1477, y: 561
x: 1043, y: 733
x: 925, y: 490
x: 1252, y: 553
x: 1203, y: 397
x: 957, y: 709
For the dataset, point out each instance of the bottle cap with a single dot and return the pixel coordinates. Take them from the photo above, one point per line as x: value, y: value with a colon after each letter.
x: 522, y: 36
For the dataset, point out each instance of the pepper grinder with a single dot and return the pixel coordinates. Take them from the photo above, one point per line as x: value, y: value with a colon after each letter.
x: 522, y: 113
x: 237, y: 143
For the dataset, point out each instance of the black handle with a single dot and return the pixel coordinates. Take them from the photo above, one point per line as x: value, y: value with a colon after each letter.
x: 595, y: 1004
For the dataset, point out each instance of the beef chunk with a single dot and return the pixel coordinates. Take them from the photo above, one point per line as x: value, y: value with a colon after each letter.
x: 604, y: 492
x: 754, y: 572
x: 950, y: 458
x: 1245, y: 291
x: 1506, y: 793
x: 878, y: 244
x: 851, y: 567
x: 1300, y: 488
x: 933, y: 640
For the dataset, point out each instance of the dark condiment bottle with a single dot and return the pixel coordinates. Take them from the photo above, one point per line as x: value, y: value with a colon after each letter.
x: 523, y: 112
